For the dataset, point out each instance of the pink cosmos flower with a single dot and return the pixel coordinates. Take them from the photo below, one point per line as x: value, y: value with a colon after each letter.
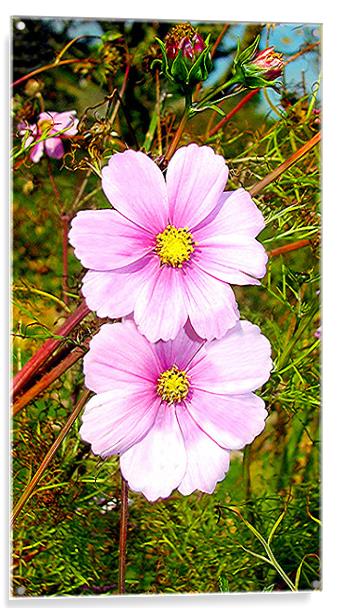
x: 174, y: 410
x: 172, y: 249
x: 49, y: 124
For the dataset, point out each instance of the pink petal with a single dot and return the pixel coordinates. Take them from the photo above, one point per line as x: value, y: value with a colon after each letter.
x: 236, y: 214
x: 179, y: 351
x: 54, y: 147
x: 160, y: 310
x: 36, y: 152
x: 207, y: 463
x: 233, y: 259
x: 115, y: 420
x: 119, y: 357
x: 211, y: 304
x: 196, y: 177
x: 237, y: 364
x: 226, y: 245
x: 65, y: 121
x: 114, y: 293
x: 27, y: 129
x: 105, y: 240
x: 156, y: 465
x: 135, y: 186
x: 231, y: 421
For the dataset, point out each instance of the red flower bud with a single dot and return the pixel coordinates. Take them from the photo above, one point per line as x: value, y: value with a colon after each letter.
x: 269, y: 62
x: 185, y: 38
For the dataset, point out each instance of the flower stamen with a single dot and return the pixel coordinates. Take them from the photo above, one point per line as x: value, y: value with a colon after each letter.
x: 173, y: 385
x: 174, y: 246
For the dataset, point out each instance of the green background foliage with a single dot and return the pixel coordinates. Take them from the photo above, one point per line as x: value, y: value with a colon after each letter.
x: 65, y: 540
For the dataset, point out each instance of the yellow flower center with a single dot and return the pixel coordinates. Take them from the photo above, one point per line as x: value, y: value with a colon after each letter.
x: 174, y: 246
x: 173, y: 385
x: 45, y: 125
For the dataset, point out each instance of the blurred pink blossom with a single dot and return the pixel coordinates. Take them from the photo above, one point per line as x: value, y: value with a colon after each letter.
x: 48, y: 132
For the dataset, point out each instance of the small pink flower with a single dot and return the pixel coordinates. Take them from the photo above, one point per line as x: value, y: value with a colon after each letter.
x: 174, y: 410
x: 172, y: 249
x: 49, y: 124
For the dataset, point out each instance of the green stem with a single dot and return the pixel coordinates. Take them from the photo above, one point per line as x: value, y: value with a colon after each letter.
x: 220, y: 88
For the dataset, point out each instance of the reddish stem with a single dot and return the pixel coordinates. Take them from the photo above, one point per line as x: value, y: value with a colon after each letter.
x: 123, y: 529
x: 233, y: 111
x: 49, y: 66
x: 177, y: 137
x: 284, y: 166
x: 288, y: 247
x: 38, y: 359
x: 47, y: 379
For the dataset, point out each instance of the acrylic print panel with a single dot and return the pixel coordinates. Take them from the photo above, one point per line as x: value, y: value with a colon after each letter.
x: 166, y: 327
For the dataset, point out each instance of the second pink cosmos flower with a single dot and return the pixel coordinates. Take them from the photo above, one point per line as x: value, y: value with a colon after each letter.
x: 170, y: 249
x: 47, y: 134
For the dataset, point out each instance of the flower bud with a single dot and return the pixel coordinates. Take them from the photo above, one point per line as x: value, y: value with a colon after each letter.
x: 186, y: 58
x: 269, y: 62
x: 186, y: 38
x: 32, y: 87
x: 255, y: 69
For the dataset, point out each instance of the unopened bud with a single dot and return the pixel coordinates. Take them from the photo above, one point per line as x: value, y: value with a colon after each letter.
x: 32, y: 87
x: 186, y: 58
x: 255, y: 69
x: 269, y: 62
x: 185, y: 38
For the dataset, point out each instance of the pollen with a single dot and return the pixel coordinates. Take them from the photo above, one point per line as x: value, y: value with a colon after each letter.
x: 174, y: 246
x: 173, y: 385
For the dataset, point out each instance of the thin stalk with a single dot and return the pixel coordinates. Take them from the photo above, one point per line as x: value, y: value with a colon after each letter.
x: 47, y: 379
x: 81, y: 191
x: 64, y: 230
x: 123, y: 529
x: 288, y: 248
x: 159, y: 135
x: 302, y: 51
x: 120, y: 94
x: 178, y: 134
x: 232, y: 81
x: 49, y: 456
x: 52, y: 65
x: 29, y: 289
x: 231, y: 113
x: 219, y: 39
x: 38, y: 359
x: 65, y: 270
x: 286, y: 165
